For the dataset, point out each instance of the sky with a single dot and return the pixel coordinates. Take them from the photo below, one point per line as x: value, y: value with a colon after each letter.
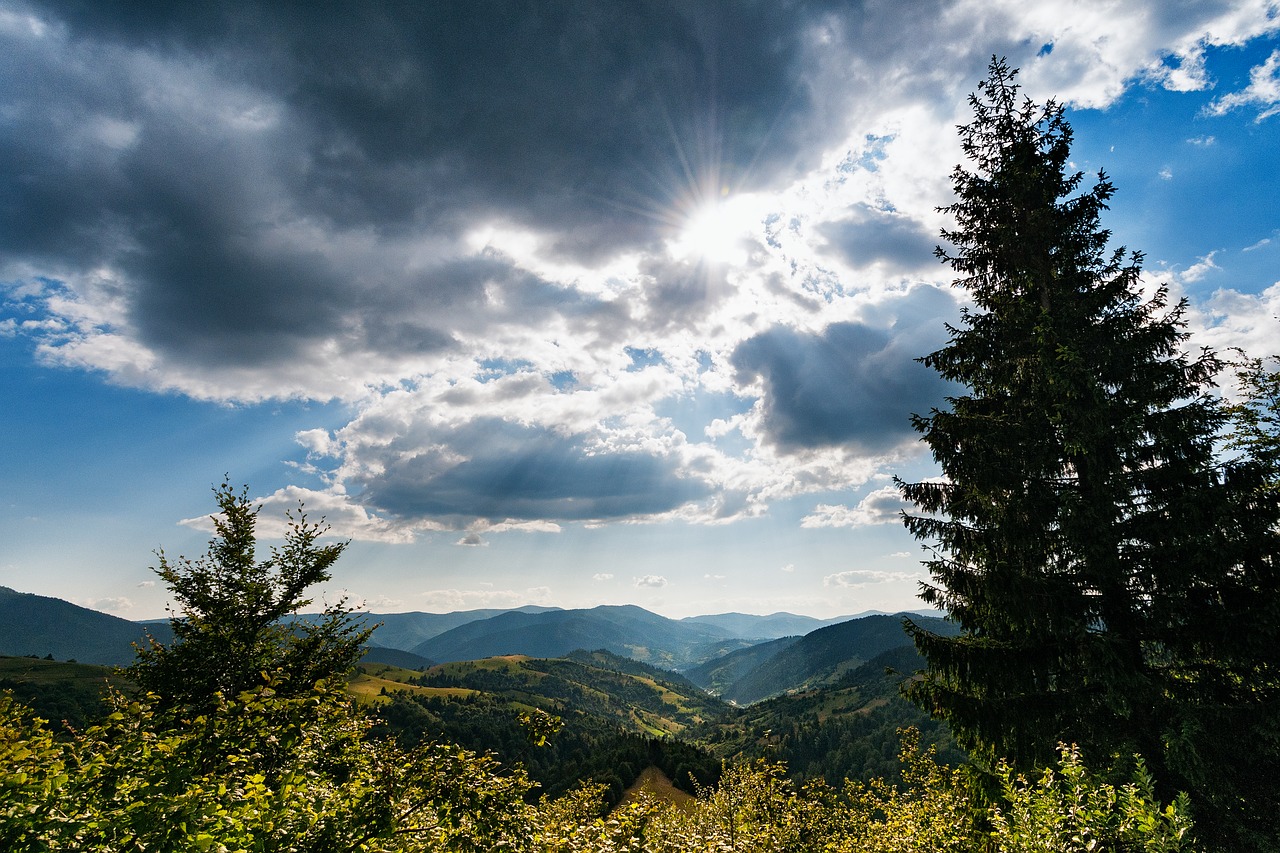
x: 568, y: 303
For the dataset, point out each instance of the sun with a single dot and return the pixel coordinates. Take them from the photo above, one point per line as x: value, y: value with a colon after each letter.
x: 717, y: 231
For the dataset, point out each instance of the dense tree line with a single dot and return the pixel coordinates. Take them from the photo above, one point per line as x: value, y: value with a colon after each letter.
x: 69, y: 703
x: 583, y: 748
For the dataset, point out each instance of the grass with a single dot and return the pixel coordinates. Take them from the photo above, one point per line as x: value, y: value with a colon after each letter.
x: 40, y: 671
x: 655, y: 783
x: 368, y: 688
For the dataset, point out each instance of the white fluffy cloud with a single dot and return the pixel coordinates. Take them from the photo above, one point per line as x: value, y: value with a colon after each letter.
x: 1262, y: 93
x: 442, y: 600
x: 882, y: 506
x: 650, y: 581
x: 857, y: 578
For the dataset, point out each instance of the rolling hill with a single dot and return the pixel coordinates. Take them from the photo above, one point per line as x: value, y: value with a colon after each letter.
x: 817, y: 658
x: 626, y: 630
x: 59, y: 692
x: 634, y: 696
x: 719, y: 675
x: 406, y: 630
x: 394, y: 657
x: 846, y: 729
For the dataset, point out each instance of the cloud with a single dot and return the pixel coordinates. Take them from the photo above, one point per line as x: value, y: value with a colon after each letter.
x: 1230, y: 319
x: 379, y: 604
x: 344, y: 517
x: 146, y: 584
x: 475, y: 599
x: 472, y: 539
x: 651, y: 581
x: 602, y: 576
x: 494, y: 469
x: 475, y: 232
x: 858, y: 578
x: 1199, y: 269
x: 116, y: 604
x: 882, y: 506
x: 252, y: 221
x: 789, y: 568
x: 1263, y: 92
x: 852, y: 384
x: 870, y: 236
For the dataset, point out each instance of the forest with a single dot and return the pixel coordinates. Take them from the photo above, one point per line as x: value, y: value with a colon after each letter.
x: 1104, y: 540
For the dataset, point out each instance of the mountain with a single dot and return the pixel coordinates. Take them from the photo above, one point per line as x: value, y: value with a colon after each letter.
x: 394, y: 657
x: 406, y: 630
x: 719, y: 674
x: 634, y: 696
x: 770, y: 627
x: 822, y: 656
x: 38, y: 625
x: 624, y: 630
x: 847, y: 729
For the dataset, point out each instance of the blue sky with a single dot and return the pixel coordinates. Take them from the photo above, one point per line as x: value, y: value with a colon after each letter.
x: 573, y: 305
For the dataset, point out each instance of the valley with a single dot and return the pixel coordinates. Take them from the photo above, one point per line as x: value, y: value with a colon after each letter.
x: 611, y: 692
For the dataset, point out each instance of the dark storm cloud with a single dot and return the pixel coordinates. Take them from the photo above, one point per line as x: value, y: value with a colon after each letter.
x: 510, y: 471
x: 212, y: 152
x: 852, y: 385
x: 579, y: 113
x: 869, y: 236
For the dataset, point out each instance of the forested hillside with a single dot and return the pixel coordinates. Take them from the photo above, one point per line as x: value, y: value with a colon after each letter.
x: 39, y: 625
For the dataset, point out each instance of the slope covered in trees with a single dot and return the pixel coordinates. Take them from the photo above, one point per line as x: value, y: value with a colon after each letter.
x: 39, y: 625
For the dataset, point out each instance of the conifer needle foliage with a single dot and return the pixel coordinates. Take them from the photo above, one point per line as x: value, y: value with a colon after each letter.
x: 1114, y: 578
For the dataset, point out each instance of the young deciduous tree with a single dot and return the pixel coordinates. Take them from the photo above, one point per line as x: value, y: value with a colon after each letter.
x: 1089, y: 541
x: 234, y: 628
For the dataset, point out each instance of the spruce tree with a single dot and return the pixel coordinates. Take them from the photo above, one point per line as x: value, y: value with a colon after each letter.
x: 1086, y: 536
x: 236, y: 627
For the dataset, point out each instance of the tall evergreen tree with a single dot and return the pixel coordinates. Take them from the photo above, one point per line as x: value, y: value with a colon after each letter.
x: 1087, y: 538
x: 235, y: 628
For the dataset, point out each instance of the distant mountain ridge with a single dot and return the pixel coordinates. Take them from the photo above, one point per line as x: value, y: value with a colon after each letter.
x: 818, y: 658
x: 734, y: 655
x: 405, y: 630
x: 825, y: 655
x: 38, y: 625
x: 625, y: 630
x: 718, y: 675
x: 771, y: 627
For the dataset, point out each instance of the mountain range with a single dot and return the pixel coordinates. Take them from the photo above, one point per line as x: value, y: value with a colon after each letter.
x: 738, y: 657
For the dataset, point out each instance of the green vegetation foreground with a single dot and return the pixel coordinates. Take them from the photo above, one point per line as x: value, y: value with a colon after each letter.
x: 274, y: 766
